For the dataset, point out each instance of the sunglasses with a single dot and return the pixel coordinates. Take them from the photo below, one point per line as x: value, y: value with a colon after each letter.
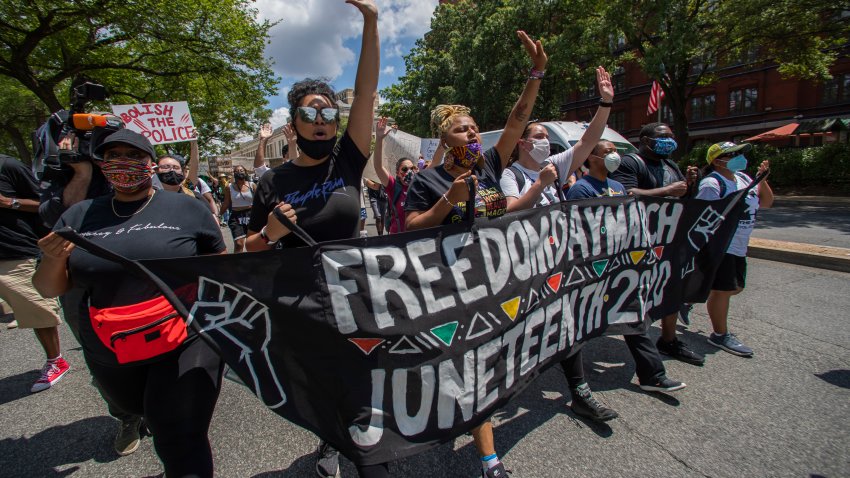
x: 405, y: 169
x: 308, y: 114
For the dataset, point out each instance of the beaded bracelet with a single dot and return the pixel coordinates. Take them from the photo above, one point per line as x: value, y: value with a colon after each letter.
x: 536, y: 74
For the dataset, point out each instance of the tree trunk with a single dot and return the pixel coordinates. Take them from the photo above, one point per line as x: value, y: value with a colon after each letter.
x: 24, y: 153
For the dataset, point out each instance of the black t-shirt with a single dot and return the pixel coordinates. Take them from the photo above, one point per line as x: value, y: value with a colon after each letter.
x: 429, y: 186
x: 19, y: 230
x: 171, y: 225
x: 326, y: 197
x: 377, y: 195
x: 636, y: 171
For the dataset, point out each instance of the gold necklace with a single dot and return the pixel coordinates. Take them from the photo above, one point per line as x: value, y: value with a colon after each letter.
x: 137, y: 211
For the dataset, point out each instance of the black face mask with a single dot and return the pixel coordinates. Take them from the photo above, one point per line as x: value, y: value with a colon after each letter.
x: 316, y: 149
x: 240, y: 176
x: 171, y: 178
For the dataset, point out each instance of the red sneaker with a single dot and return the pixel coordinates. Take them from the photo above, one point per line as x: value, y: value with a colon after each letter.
x: 51, y: 373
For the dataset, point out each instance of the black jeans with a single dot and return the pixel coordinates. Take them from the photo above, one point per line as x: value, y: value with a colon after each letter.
x: 177, y: 396
x: 648, y: 364
x: 573, y: 368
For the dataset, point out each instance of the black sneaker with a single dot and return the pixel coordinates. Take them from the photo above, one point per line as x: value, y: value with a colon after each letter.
x: 678, y: 350
x: 663, y: 384
x: 497, y: 471
x: 327, y: 461
x: 586, y: 406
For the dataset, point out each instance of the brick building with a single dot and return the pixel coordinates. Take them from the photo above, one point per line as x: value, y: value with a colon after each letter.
x: 747, y: 98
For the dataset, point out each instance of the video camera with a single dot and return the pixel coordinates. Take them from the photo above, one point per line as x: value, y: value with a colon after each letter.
x: 89, y: 129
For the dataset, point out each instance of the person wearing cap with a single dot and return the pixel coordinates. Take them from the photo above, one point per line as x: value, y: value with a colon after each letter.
x: 724, y: 175
x: 168, y: 375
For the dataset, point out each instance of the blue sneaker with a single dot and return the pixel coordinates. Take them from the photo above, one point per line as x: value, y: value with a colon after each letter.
x: 731, y: 344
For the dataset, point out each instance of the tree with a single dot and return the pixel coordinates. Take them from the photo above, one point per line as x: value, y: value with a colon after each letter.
x: 209, y: 53
x: 468, y: 57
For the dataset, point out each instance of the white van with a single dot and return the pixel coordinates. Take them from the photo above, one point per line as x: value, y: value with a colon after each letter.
x: 563, y: 135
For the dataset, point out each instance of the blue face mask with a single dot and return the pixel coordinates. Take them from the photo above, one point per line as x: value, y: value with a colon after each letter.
x: 738, y: 163
x: 664, y: 146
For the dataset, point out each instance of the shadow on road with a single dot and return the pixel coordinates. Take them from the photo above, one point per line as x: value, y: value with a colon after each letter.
x: 77, y: 442
x: 839, y: 378
x: 17, y: 386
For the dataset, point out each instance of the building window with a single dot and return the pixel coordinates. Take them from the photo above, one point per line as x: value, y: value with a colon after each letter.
x: 743, y: 101
x: 589, y: 91
x: 618, y: 79
x: 702, y: 107
x: 617, y: 120
x: 837, y: 89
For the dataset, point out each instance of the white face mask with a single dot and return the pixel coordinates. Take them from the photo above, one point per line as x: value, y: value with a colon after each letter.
x: 612, y: 161
x: 540, y: 151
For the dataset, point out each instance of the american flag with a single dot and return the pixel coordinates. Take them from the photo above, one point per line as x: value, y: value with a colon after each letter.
x: 655, y: 96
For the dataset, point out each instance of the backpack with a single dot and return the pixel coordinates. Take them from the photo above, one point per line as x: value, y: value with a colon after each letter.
x: 720, y: 181
x: 520, y: 182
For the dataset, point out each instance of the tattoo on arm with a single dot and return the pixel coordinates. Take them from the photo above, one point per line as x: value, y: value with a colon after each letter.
x: 520, y: 114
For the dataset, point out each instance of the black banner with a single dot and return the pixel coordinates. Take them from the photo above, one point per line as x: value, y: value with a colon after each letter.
x: 388, y: 346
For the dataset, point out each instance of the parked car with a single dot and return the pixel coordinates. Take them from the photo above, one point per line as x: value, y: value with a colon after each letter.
x: 565, y: 134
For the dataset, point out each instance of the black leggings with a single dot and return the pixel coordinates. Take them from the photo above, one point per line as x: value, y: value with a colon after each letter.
x: 573, y: 370
x: 381, y: 470
x: 177, y: 397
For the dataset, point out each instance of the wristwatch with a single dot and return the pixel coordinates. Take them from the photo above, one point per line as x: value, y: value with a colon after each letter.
x: 15, y: 204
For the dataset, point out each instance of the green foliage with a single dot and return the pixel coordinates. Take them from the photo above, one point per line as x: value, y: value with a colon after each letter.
x: 209, y: 53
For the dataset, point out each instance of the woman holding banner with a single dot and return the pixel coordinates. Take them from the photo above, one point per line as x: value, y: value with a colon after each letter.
x: 333, y: 167
x: 138, y: 349
x: 438, y: 195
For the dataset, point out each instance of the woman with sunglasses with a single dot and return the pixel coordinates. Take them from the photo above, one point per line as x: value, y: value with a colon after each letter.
x: 395, y: 186
x: 137, y: 348
x: 724, y: 175
x: 438, y: 194
x: 321, y: 187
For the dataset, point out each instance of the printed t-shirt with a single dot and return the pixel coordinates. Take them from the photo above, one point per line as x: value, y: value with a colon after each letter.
x: 709, y: 189
x: 171, y: 225
x: 429, y: 186
x: 398, y: 224
x: 19, y: 230
x: 509, y: 183
x: 326, y: 197
x: 589, y: 187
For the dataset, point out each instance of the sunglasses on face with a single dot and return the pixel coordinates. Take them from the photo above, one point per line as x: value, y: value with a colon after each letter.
x: 308, y: 114
x: 405, y: 169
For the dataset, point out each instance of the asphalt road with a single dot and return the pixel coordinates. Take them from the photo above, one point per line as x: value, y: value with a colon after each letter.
x: 809, y: 223
x: 785, y: 412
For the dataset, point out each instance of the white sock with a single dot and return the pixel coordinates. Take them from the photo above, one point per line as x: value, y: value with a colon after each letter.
x: 489, y: 461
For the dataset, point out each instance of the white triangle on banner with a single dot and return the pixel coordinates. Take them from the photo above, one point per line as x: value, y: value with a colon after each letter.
x: 533, y: 300
x: 576, y: 276
x: 478, y: 327
x: 405, y: 346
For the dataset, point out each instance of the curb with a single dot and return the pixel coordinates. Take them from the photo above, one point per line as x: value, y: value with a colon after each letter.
x: 830, y: 201
x: 821, y: 257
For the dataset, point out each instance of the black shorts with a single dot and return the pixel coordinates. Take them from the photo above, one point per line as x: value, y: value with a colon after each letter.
x: 238, y: 223
x: 732, y: 273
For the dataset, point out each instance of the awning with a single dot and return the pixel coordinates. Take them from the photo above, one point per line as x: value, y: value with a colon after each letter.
x: 778, y: 133
x: 820, y: 126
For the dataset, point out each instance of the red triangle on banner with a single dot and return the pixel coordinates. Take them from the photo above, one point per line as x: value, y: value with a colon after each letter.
x: 658, y: 251
x: 366, y: 345
x: 554, y: 281
x: 552, y: 240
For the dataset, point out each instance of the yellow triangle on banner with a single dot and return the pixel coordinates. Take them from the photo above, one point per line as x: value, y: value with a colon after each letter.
x: 511, y: 307
x: 637, y: 256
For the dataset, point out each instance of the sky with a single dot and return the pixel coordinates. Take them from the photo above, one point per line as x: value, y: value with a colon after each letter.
x: 321, y: 38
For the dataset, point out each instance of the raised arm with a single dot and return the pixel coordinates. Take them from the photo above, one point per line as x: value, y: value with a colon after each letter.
x: 260, y: 156
x: 594, y: 130
x: 366, y: 82
x: 291, y: 139
x: 381, y: 132
x: 518, y: 119
x: 765, y: 193
x: 194, y: 165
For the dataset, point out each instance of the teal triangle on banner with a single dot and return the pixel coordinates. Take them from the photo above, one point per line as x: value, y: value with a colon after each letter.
x: 445, y: 332
x: 600, y: 266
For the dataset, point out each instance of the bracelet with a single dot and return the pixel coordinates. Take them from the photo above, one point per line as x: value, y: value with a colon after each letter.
x: 265, y: 236
x: 447, y: 200
x: 606, y: 104
x: 536, y: 74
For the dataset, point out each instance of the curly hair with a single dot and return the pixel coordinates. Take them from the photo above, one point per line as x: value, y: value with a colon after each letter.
x: 649, y: 129
x: 442, y: 116
x: 308, y: 86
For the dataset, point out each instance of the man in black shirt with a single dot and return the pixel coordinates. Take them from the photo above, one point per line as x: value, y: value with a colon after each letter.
x: 20, y: 230
x: 653, y: 173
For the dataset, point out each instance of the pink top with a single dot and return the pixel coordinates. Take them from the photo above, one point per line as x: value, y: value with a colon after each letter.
x: 398, y: 222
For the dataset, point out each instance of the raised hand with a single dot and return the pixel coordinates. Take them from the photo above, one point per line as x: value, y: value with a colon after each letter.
x: 606, y: 88
x: 534, y: 50
x: 367, y: 7
x: 266, y: 131
x: 289, y: 133
x: 764, y: 167
x: 382, y: 129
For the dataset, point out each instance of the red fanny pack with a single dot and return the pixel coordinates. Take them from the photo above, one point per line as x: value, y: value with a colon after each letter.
x: 139, y: 331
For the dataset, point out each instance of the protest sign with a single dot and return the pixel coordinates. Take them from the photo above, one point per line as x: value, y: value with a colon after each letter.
x: 388, y: 346
x: 428, y: 148
x: 399, y: 144
x: 160, y: 123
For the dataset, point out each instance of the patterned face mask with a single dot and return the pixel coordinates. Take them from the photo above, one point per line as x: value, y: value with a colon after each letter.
x: 127, y: 175
x: 465, y: 156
